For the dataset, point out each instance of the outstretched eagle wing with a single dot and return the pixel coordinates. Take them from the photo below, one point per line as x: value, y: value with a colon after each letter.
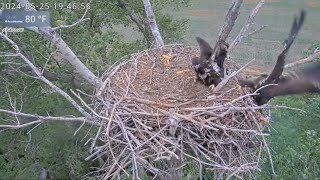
x: 206, y: 50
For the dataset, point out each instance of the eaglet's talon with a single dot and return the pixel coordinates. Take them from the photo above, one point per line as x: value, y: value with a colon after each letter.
x: 212, y: 87
x: 238, y: 87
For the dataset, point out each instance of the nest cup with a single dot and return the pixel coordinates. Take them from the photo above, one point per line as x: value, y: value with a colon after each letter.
x: 157, y: 120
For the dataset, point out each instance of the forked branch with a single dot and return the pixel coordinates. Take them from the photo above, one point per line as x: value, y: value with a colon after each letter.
x: 247, y: 25
x: 40, y: 76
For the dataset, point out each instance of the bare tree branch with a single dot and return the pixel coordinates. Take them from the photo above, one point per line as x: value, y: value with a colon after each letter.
x: 247, y: 25
x: 40, y: 119
x: 255, y: 31
x: 65, y: 50
x: 152, y: 23
x: 230, y: 19
x: 71, y: 25
x: 135, y: 19
x: 226, y: 80
x: 82, y: 19
x: 310, y: 58
x: 36, y: 71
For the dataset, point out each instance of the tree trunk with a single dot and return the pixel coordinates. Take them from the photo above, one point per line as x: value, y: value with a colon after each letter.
x: 152, y: 23
x: 65, y: 50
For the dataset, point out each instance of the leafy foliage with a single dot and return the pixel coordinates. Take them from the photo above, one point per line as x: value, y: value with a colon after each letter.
x: 98, y: 43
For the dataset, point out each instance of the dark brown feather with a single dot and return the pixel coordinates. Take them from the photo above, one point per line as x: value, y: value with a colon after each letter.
x: 306, y: 81
x: 221, y: 55
x: 205, y: 49
x: 278, y: 68
x: 204, y: 66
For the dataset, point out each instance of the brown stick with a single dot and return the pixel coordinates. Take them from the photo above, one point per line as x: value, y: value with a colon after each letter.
x: 304, y: 60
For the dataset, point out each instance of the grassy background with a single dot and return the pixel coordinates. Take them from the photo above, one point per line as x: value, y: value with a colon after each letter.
x: 295, y: 140
x: 206, y: 18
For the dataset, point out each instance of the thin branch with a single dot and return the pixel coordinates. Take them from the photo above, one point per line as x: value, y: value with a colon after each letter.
x: 135, y: 18
x: 255, y: 31
x: 82, y: 19
x: 226, y: 80
x: 310, y: 58
x: 247, y: 25
x: 40, y: 119
x: 36, y: 71
x: 64, y: 49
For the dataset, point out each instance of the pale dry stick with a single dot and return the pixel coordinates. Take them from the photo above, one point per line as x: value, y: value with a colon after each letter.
x: 242, y: 168
x: 237, y: 130
x: 81, y: 126
x: 45, y: 80
x: 269, y: 154
x: 93, y: 154
x: 29, y: 135
x: 235, y: 108
x: 256, y: 91
x: 123, y: 165
x: 199, y: 164
x: 62, y: 46
x: 117, y: 174
x: 134, y: 160
x: 255, y: 31
x: 242, y: 97
x: 226, y: 80
x: 152, y: 137
x: 86, y: 105
x: 148, y: 102
x: 290, y: 108
x: 12, y: 104
x: 205, y: 163
x: 114, y: 108
x: 149, y: 167
x: 165, y: 148
x: 40, y: 119
x: 47, y: 61
x: 205, y: 152
x: 125, y: 133
x: 8, y: 54
x: 247, y: 25
x: 310, y: 58
x: 152, y: 68
x: 110, y: 119
x: 228, y: 91
x: 185, y: 118
x: 116, y: 163
x: 202, y: 108
x: 93, y: 144
x: 82, y: 19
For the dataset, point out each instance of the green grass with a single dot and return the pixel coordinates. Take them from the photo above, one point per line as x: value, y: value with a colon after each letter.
x: 294, y: 150
x: 295, y: 139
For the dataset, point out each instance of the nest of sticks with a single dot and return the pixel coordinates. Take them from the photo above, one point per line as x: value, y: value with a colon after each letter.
x: 158, y: 120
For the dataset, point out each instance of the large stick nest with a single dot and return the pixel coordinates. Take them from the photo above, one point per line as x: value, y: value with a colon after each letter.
x: 155, y: 115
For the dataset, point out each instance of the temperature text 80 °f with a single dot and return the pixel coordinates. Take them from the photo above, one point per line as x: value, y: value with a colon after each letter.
x: 33, y: 18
